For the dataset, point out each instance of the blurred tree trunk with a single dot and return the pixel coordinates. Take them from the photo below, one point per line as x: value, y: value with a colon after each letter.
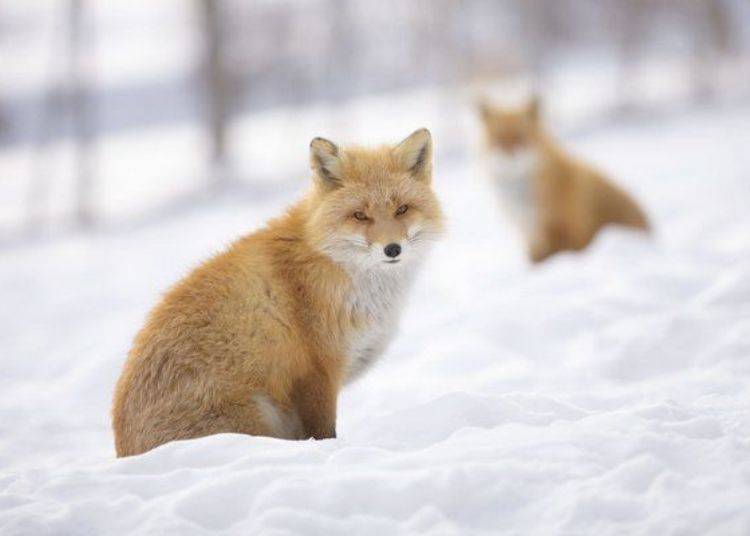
x: 722, y: 29
x: 539, y: 30
x: 631, y: 31
x: 712, y: 42
x: 82, y: 113
x: 217, y: 87
x: 67, y: 96
x: 40, y: 181
x: 341, y: 75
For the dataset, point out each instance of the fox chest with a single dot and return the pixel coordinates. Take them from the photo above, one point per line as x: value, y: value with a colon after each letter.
x: 374, y: 308
x: 514, y: 180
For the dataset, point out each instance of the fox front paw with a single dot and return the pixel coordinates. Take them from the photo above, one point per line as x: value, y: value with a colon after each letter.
x: 328, y: 434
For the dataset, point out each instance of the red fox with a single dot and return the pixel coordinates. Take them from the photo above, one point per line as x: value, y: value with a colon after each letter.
x: 260, y: 339
x: 558, y: 202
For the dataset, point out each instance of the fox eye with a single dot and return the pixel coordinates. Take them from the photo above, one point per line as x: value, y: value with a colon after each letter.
x: 402, y: 209
x: 360, y: 216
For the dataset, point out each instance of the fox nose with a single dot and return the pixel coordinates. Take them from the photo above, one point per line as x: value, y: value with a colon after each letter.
x: 392, y: 250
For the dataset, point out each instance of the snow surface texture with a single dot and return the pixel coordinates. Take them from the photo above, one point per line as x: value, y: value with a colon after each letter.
x: 601, y: 393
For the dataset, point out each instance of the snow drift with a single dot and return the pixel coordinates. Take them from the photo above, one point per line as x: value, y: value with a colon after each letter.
x: 601, y: 393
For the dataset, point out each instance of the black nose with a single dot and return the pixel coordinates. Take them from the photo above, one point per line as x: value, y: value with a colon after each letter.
x: 392, y: 250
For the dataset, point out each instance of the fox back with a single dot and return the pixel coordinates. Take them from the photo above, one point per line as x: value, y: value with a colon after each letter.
x: 558, y: 202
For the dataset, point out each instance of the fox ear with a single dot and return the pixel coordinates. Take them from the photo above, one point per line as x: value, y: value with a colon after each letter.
x: 415, y: 153
x: 324, y: 161
x: 485, y: 110
x: 534, y: 108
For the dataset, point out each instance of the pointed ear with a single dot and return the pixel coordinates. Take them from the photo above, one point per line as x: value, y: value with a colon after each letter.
x: 324, y: 161
x: 415, y: 153
x: 485, y: 110
x: 534, y: 108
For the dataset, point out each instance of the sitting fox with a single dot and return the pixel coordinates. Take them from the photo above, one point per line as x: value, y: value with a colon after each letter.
x: 260, y: 339
x: 558, y: 202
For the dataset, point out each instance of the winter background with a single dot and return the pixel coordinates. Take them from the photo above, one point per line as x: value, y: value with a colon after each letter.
x: 606, y: 392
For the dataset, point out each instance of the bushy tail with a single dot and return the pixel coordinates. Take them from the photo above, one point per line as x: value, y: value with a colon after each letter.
x: 616, y: 206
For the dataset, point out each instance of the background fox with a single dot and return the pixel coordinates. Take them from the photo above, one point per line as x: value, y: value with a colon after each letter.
x: 259, y: 339
x: 558, y: 202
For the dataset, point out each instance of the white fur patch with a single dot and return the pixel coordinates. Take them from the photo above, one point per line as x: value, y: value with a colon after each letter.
x: 378, y: 290
x: 377, y: 299
x: 513, y: 177
x: 283, y: 424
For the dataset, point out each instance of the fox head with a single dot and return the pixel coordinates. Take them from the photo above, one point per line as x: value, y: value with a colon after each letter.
x: 374, y: 209
x: 511, y: 129
x: 512, y: 135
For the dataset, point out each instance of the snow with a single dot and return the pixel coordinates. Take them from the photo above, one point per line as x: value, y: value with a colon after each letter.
x: 600, y: 393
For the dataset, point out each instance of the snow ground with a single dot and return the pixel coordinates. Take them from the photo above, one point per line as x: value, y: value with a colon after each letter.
x: 602, y: 393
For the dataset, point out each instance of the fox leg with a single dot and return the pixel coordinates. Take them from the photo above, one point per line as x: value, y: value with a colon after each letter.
x: 540, y: 247
x: 315, y: 398
x: 538, y: 251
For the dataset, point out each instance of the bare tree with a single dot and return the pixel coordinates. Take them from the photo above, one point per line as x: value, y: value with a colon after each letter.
x: 82, y: 112
x: 67, y: 96
x: 538, y: 17
x: 628, y: 23
x: 217, y: 87
x: 712, y: 41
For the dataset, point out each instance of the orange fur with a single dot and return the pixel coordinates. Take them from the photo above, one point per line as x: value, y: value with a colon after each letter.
x: 568, y: 200
x: 259, y: 339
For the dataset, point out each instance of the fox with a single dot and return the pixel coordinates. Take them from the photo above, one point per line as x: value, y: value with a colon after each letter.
x: 558, y: 202
x: 261, y: 338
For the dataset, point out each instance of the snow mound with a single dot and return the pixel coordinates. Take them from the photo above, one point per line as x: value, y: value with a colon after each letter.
x: 600, y: 393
